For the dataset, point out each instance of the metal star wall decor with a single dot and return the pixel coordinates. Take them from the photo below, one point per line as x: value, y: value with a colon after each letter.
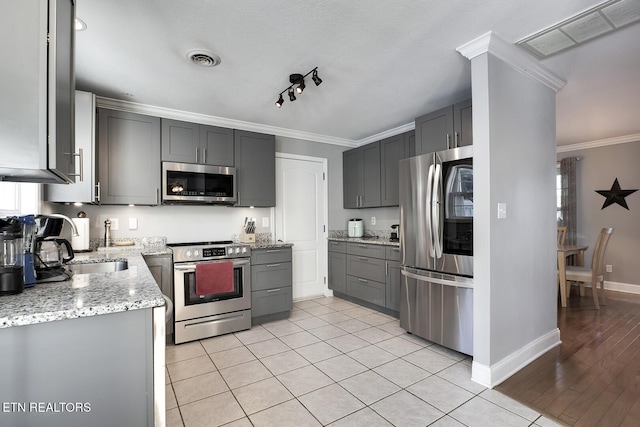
x: 615, y: 195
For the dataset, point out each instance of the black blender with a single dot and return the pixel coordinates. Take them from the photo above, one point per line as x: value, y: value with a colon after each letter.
x: 11, y: 256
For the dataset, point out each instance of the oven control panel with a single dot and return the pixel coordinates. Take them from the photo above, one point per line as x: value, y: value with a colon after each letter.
x: 200, y: 253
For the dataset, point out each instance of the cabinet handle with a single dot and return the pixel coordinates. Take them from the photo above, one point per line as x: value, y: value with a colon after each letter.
x: 197, y: 155
x: 364, y: 246
x: 448, y: 142
x: 456, y: 139
x: 386, y: 268
x: 273, y: 265
x: 80, y: 164
x: 273, y: 290
x: 361, y: 258
x: 362, y: 280
x: 157, y: 196
x: 98, y: 192
x: 204, y: 155
x: 273, y: 250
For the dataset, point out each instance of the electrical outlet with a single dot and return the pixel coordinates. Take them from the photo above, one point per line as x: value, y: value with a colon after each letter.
x: 373, y: 220
x: 265, y: 221
x: 114, y: 224
x: 502, y: 210
x: 609, y: 268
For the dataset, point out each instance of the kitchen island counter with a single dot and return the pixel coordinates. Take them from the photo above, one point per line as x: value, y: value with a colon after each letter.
x: 85, y: 295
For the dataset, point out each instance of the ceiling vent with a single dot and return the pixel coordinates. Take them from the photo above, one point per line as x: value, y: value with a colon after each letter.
x: 595, y: 22
x: 203, y: 58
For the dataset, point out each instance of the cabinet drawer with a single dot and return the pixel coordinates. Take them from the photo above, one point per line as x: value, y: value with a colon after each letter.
x: 365, y: 267
x: 366, y: 290
x: 393, y: 253
x: 271, y: 301
x: 337, y: 246
x: 362, y: 249
x: 269, y: 276
x: 270, y: 256
x: 337, y: 272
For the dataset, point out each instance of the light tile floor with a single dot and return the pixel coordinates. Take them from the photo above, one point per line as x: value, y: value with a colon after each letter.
x: 330, y: 363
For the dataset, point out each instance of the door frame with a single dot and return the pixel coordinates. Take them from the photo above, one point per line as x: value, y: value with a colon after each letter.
x: 325, y: 213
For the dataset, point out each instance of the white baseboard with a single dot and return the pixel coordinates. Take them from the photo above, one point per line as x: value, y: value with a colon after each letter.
x: 622, y: 287
x: 491, y: 376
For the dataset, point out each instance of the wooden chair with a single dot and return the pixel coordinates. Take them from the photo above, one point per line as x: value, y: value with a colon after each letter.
x: 562, y: 234
x: 594, y: 274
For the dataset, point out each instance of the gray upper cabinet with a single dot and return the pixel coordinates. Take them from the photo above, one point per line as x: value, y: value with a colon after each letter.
x: 449, y: 127
x: 255, y: 161
x: 392, y: 150
x: 37, y: 102
x: 128, y: 158
x: 194, y: 143
x: 84, y: 189
x: 361, y: 176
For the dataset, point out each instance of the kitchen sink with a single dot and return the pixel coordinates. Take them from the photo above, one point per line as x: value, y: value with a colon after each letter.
x: 107, y: 266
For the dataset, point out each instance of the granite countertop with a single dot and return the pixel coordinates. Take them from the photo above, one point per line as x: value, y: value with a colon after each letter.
x: 270, y: 245
x: 87, y: 294
x: 368, y: 240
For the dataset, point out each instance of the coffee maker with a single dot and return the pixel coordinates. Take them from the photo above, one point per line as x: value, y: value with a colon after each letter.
x: 394, y: 233
x: 51, y: 252
x: 11, y: 251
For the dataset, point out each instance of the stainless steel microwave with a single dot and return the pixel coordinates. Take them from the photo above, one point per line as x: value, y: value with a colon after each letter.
x: 188, y: 183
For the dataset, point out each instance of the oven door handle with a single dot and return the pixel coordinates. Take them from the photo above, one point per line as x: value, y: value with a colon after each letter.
x: 186, y: 268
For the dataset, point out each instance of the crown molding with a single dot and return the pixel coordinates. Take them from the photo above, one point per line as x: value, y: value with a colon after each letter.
x: 634, y: 137
x: 512, y: 55
x: 169, y: 113
x: 386, y: 134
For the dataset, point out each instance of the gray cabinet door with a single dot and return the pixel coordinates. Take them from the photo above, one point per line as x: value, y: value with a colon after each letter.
x: 180, y: 141
x: 352, y: 176
x: 338, y: 272
x: 216, y: 145
x: 129, y: 158
x: 161, y: 267
x: 463, y: 123
x: 392, y: 150
x: 271, y: 256
x: 393, y: 285
x: 410, y: 143
x: 366, y: 290
x: 255, y: 159
x: 366, y: 268
x: 371, y: 178
x: 83, y: 190
x: 271, y: 276
x: 37, y: 41
x: 434, y: 131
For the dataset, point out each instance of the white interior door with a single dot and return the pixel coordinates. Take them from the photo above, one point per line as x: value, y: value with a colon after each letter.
x: 300, y: 218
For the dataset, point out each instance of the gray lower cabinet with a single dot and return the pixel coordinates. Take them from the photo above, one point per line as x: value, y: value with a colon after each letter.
x: 195, y: 143
x: 37, y: 41
x: 161, y: 267
x: 271, y: 281
x: 449, y: 127
x: 128, y: 158
x: 372, y: 272
x: 103, y: 362
x: 338, y: 266
x: 255, y: 162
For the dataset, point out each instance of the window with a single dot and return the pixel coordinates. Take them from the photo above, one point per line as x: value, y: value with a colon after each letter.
x: 19, y: 198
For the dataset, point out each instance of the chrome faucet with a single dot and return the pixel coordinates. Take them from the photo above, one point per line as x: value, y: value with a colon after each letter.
x: 107, y: 233
x: 74, y: 229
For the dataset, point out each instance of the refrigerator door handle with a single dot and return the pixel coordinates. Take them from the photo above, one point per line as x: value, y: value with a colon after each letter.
x: 435, y: 211
x: 429, y: 210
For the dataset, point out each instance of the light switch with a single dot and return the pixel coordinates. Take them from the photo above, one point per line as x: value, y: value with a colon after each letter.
x: 373, y: 220
x: 502, y: 210
x: 265, y: 221
x: 114, y: 224
x: 133, y: 223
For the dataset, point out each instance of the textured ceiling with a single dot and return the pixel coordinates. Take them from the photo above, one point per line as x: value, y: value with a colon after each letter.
x: 382, y: 63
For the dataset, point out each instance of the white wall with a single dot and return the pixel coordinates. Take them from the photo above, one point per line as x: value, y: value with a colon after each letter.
x: 514, y: 258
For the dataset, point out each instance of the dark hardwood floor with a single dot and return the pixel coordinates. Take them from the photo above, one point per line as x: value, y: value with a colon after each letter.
x: 593, y: 377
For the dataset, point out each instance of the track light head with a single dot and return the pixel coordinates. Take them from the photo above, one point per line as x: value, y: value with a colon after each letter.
x: 292, y: 96
x: 301, y: 86
x: 315, y: 78
x: 280, y: 101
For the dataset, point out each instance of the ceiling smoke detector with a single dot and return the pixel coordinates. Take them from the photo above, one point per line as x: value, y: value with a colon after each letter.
x: 203, y: 58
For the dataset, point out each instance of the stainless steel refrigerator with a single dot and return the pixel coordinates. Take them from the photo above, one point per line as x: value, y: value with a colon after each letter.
x: 436, y: 238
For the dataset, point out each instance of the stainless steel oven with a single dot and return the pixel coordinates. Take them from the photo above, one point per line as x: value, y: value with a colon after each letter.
x: 200, y: 315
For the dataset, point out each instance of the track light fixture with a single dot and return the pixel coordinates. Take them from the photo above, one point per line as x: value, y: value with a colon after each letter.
x: 297, y: 80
